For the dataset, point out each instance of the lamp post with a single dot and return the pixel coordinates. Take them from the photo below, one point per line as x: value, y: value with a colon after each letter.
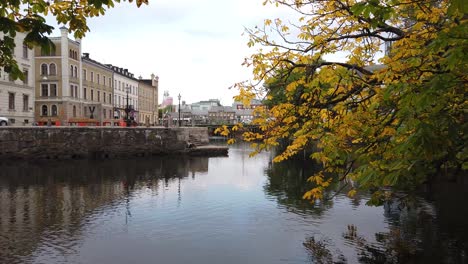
x: 179, y: 108
x: 127, y: 110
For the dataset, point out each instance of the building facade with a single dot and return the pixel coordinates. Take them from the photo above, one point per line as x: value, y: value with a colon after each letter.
x: 58, y: 85
x: 17, y: 97
x: 70, y: 87
x: 97, y: 80
x: 148, y: 100
x: 125, y: 93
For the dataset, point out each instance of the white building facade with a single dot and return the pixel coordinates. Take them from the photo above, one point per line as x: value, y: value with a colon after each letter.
x: 17, y: 97
x: 125, y: 86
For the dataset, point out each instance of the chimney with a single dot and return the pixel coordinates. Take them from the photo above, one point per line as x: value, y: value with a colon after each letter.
x: 154, y: 80
x: 64, y: 31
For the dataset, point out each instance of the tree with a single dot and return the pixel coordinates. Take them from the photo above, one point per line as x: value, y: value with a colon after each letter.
x: 381, y: 124
x: 27, y: 16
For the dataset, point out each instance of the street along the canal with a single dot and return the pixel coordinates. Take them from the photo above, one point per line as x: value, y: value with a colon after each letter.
x: 232, y: 209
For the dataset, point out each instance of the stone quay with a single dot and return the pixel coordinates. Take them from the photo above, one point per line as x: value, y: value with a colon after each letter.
x: 104, y: 142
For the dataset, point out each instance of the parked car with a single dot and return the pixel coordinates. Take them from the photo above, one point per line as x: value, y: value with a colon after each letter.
x: 3, y: 121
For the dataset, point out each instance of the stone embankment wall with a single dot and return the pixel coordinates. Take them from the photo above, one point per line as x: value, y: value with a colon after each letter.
x: 99, y: 142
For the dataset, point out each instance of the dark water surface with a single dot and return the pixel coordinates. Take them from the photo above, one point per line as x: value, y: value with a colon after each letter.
x: 213, y: 210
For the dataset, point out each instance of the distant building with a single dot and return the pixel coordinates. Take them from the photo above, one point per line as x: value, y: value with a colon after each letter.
x: 148, y: 100
x: 244, y: 113
x: 206, y: 105
x: 17, y: 97
x: 221, y: 115
x: 167, y: 100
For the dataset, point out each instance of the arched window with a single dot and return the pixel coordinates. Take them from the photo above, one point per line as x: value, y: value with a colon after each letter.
x: 53, y: 69
x: 76, y: 55
x: 74, y: 111
x: 76, y: 71
x: 70, y: 53
x: 71, y: 70
x: 54, y: 110
x: 44, y: 111
x: 44, y: 69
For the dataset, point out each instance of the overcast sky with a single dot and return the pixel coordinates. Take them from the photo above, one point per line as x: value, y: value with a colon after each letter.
x: 195, y: 47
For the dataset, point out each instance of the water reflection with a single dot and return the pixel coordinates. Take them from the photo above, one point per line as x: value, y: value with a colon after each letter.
x: 217, y: 210
x: 430, y: 228
x: 50, y: 203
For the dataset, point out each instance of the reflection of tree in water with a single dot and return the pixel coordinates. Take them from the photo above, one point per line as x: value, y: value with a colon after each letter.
x: 287, y: 183
x: 414, y: 236
x: 431, y: 228
x: 320, y: 252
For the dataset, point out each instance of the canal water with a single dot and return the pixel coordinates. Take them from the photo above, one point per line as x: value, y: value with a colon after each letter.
x: 232, y: 209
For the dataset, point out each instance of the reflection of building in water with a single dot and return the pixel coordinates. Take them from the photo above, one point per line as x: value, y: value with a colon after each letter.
x: 38, y: 201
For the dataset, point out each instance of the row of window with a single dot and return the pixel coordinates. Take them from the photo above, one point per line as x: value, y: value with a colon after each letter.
x: 121, y: 86
x: 122, y: 101
x: 107, y: 98
x: 51, y: 69
x: 12, y: 102
x: 45, y: 110
x: 25, y: 72
x: 73, y: 54
x: 98, y: 78
x: 53, y: 111
x: 50, y: 90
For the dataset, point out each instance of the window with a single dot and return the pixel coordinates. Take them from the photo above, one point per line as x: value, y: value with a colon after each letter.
x: 98, y: 96
x: 70, y: 53
x: 54, y: 110
x: 53, y: 69
x: 85, y: 111
x: 44, y: 70
x: 26, y: 76
x: 104, y: 80
x: 76, y: 72
x: 98, y: 78
x: 53, y: 89
x: 119, y: 86
x: 44, y: 90
x: 104, y: 97
x: 72, y: 90
x: 92, y: 76
x: 25, y: 51
x: 84, y: 93
x: 71, y: 70
x: 11, y: 101
x: 110, y: 82
x: 104, y: 112
x: 44, y: 110
x: 74, y: 111
x: 76, y: 91
x: 84, y: 74
x: 25, y: 103
x: 92, y: 95
x: 115, y: 98
x: 110, y: 113
x: 110, y: 98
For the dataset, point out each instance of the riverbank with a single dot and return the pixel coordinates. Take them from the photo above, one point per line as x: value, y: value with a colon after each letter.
x: 103, y: 142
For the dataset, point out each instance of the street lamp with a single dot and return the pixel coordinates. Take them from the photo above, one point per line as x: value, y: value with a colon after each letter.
x: 179, y: 108
x: 127, y: 110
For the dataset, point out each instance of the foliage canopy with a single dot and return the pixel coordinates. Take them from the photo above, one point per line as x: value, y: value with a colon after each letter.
x: 28, y: 16
x: 382, y: 121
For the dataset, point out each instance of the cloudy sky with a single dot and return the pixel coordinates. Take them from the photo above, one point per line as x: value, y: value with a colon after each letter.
x: 195, y: 47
